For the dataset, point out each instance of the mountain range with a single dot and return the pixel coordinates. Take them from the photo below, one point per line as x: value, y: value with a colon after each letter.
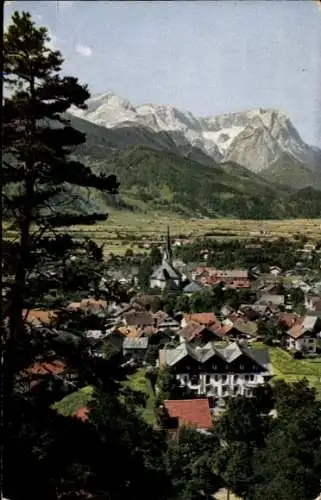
x: 246, y: 164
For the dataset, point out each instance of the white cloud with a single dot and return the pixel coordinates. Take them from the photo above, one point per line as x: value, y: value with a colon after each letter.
x: 83, y: 50
x: 53, y: 44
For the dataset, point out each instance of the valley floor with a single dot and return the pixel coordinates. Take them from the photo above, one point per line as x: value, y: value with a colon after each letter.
x: 130, y: 230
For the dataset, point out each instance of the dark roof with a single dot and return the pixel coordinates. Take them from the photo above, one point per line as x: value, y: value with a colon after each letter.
x: 192, y: 287
x: 271, y: 298
x: 228, y: 354
x: 191, y: 330
x: 246, y: 327
x: 140, y: 318
x: 165, y: 271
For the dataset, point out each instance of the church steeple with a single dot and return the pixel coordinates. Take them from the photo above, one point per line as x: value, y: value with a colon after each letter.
x: 167, y: 255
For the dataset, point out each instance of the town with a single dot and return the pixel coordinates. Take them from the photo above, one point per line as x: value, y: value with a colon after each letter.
x: 221, y: 332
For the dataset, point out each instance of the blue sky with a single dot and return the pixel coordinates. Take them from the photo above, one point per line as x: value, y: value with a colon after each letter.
x: 204, y: 56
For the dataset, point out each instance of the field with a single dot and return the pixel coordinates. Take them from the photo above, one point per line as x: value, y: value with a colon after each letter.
x: 124, y: 230
x: 74, y: 401
x: 139, y: 382
x: 289, y: 369
x: 133, y: 230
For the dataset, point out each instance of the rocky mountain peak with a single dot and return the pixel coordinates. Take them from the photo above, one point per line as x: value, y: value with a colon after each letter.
x: 253, y: 138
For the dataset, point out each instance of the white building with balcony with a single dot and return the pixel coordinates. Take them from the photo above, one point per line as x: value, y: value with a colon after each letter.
x: 303, y: 335
x: 218, y: 372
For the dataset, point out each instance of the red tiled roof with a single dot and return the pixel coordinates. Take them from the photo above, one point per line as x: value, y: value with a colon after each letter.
x: 38, y: 316
x: 215, y: 328
x: 221, y: 330
x: 47, y: 368
x: 201, y: 318
x: 240, y: 284
x: 192, y: 412
x: 290, y: 319
x: 82, y: 413
x: 91, y: 304
x: 192, y: 330
x: 296, y: 331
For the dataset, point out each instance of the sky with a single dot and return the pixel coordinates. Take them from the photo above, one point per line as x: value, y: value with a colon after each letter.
x: 208, y: 57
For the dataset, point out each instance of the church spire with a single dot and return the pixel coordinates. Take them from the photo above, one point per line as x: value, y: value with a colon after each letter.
x: 167, y: 250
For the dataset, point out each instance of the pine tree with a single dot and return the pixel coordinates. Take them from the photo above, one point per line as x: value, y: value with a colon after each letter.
x: 38, y: 172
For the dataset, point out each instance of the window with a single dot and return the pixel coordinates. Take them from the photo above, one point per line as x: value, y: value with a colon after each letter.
x: 241, y: 367
x: 214, y: 367
x: 311, y: 340
x: 223, y: 378
x: 207, y: 379
x: 251, y: 378
x: 246, y: 378
x: 194, y: 379
x: 217, y: 378
x: 236, y: 378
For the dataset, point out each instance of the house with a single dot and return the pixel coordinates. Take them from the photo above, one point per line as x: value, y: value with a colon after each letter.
x: 135, y: 347
x: 233, y: 278
x: 47, y: 369
x: 313, y: 303
x: 37, y: 318
x: 204, y: 319
x: 302, y: 336
x: 166, y: 274
x: 90, y: 306
x: 286, y: 320
x: 242, y: 329
x: 138, y: 319
x: 218, y: 372
x: 194, y: 332
x: 271, y: 299
x: 190, y: 412
x: 145, y: 302
x: 192, y: 287
x: 255, y: 311
x: 163, y: 322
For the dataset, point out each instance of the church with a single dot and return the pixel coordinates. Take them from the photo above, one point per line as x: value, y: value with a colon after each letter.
x: 166, y: 274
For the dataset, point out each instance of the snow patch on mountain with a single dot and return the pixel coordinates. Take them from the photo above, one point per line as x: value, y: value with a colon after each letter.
x: 223, y: 137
